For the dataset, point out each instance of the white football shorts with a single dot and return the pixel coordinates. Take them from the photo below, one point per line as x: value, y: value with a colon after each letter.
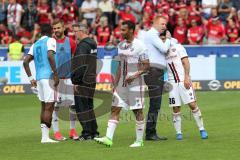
x: 65, y: 93
x: 180, y: 94
x: 46, y: 92
x: 129, y: 97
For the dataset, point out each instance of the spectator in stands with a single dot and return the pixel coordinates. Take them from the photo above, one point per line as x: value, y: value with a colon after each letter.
x: 214, y: 13
x: 194, y: 12
x: 106, y: 7
x: 160, y: 11
x: 147, y: 18
x: 181, y: 12
x: 136, y: 9
x: 70, y: 12
x: 44, y: 12
x: 29, y: 15
x: 96, y: 21
x: 88, y: 10
x: 207, y: 5
x: 6, y: 35
x: 103, y: 32
x: 236, y: 4
x: 180, y: 31
x: 224, y: 10
x: 116, y: 36
x: 58, y: 10
x: 126, y: 14
x: 195, y: 33
x: 14, y: 16
x: 15, y: 50
x: 24, y: 35
x: 215, y: 31
x: 232, y: 31
x: 233, y: 15
x: 172, y: 20
x: 3, y: 11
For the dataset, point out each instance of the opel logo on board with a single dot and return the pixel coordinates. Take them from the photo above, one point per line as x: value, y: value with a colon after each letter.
x: 214, y: 85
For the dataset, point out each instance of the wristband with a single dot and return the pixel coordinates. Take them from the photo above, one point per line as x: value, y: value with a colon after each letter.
x: 30, y: 78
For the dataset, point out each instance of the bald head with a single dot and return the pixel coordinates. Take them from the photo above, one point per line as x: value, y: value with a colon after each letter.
x: 160, y: 23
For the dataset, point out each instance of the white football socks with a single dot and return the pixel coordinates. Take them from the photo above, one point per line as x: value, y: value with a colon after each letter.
x: 45, y: 131
x: 198, y: 118
x: 55, y: 125
x: 177, y: 120
x: 112, y: 124
x: 72, y: 118
x: 139, y: 130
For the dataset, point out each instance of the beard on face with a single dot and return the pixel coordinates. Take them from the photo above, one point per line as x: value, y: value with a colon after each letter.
x: 58, y: 34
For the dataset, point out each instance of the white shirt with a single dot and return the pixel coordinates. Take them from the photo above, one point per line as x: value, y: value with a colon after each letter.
x: 174, y: 63
x: 14, y: 14
x: 129, y: 56
x: 51, y: 45
x: 209, y: 2
x: 156, y: 48
x: 88, y: 5
x: 106, y: 7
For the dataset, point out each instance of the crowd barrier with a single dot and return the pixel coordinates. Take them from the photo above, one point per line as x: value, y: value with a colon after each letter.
x: 208, y: 72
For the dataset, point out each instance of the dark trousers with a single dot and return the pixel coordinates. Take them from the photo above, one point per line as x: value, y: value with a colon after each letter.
x: 84, y: 109
x: 154, y: 80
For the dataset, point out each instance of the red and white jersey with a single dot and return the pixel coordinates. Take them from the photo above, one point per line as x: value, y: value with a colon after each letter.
x: 174, y: 63
x: 129, y: 55
x: 14, y: 13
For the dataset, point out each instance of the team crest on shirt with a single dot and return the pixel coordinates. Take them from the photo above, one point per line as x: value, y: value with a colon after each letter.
x: 173, y: 49
x: 62, y: 49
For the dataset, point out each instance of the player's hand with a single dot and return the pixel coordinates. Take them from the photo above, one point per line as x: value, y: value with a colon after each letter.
x: 75, y: 88
x: 129, y: 79
x: 33, y: 83
x: 187, y: 82
x: 56, y: 80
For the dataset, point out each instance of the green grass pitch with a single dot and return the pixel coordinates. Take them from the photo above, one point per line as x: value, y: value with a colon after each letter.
x: 20, y: 133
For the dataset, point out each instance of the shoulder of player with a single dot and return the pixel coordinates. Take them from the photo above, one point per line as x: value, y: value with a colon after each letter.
x: 50, y: 39
x: 139, y: 44
x: 180, y: 47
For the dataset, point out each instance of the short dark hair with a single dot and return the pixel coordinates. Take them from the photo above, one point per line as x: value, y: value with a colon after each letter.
x: 46, y: 29
x: 164, y: 33
x: 130, y: 24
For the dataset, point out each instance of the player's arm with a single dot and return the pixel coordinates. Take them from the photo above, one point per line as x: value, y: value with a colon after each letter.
x: 186, y: 66
x: 28, y: 58
x: 143, y: 67
x: 118, y: 75
x: 51, y: 51
x: 160, y: 45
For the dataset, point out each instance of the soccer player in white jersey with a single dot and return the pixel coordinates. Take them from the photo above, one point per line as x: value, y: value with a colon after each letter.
x: 178, y: 68
x: 42, y: 52
x: 128, y: 91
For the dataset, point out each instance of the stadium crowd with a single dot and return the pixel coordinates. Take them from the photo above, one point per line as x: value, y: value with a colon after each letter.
x: 189, y: 21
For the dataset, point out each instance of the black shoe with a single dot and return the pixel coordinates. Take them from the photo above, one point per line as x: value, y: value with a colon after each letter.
x: 84, y: 138
x: 155, y: 137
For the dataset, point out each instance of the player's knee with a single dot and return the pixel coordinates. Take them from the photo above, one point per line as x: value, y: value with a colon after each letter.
x: 115, y: 111
x: 193, y: 105
x: 176, y: 109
